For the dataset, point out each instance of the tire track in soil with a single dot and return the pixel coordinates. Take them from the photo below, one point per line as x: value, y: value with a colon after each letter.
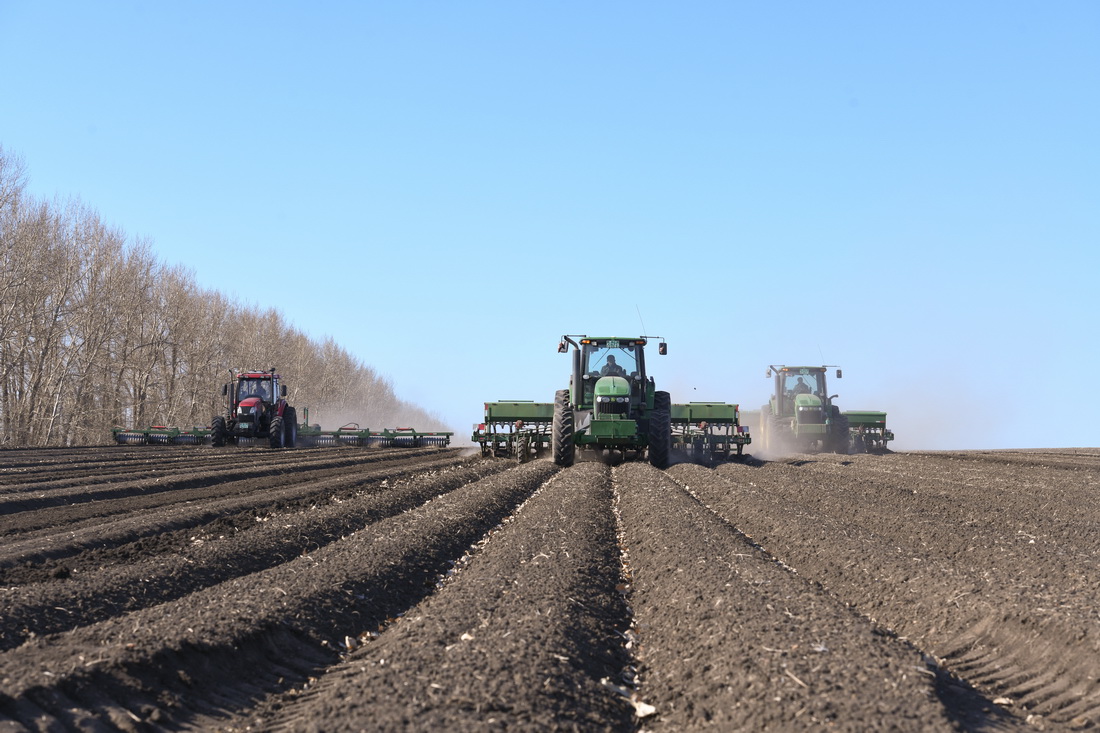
x: 187, y: 562
x: 522, y: 637
x: 989, y: 565
x: 222, y: 648
x: 731, y: 639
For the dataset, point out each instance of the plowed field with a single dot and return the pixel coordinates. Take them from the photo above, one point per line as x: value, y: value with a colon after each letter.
x: 190, y: 588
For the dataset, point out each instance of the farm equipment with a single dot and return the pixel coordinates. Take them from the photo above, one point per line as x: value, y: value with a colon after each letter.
x: 800, y: 415
x: 256, y: 409
x: 611, y: 404
x: 867, y: 431
x: 519, y: 429
x: 162, y: 435
x: 257, y: 412
x: 709, y: 431
x: 353, y: 435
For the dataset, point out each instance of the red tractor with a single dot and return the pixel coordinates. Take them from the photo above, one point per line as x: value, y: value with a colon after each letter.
x: 256, y: 409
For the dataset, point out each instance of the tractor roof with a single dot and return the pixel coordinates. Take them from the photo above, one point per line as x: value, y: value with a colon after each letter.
x: 782, y: 368
x: 256, y: 375
x: 601, y: 339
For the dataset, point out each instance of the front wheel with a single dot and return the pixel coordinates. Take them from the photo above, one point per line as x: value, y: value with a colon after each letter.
x: 275, y: 434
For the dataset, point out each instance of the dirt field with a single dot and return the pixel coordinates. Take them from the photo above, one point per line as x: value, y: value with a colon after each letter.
x: 191, y: 588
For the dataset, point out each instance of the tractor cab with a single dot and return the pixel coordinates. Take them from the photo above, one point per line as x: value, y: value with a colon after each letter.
x: 250, y: 386
x: 609, y: 375
x: 801, y: 390
x: 254, y: 399
x: 797, y: 387
x: 612, y: 375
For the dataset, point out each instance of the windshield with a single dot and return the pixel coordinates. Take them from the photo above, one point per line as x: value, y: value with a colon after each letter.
x: 610, y: 359
x: 804, y: 381
x: 254, y: 388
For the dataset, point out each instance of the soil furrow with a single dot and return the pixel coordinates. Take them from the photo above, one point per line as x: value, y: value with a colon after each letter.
x: 112, y: 589
x: 863, y: 592
x: 528, y: 635
x: 731, y: 639
x: 78, y: 495
x: 208, y: 651
x: 139, y: 520
x: 1000, y: 561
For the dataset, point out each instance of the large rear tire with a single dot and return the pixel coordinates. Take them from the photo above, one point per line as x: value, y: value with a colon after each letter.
x: 660, y: 430
x: 290, y: 425
x: 565, y: 451
x: 276, y: 435
x: 766, y: 428
x: 218, y: 432
x: 777, y: 436
x: 840, y: 438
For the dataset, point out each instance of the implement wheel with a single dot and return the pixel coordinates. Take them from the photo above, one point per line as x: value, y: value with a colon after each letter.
x: 523, y: 448
x: 564, y: 449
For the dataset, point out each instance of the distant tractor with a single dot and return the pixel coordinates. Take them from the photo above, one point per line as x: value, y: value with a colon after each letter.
x: 612, y: 404
x: 801, y: 416
x: 256, y: 408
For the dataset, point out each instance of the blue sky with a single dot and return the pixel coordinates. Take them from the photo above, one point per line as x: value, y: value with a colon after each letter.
x: 910, y: 191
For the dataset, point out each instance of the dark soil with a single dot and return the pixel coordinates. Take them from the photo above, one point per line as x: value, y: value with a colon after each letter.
x: 190, y: 588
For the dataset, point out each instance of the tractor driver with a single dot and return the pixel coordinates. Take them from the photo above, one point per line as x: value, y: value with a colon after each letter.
x: 800, y: 388
x: 611, y: 369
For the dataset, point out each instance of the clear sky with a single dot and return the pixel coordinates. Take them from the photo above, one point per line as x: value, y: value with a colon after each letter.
x: 908, y: 190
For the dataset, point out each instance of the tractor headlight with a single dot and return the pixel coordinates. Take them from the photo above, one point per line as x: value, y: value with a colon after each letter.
x: 603, y: 398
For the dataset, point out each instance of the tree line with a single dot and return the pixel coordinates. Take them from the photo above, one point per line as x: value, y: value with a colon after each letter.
x: 97, y: 332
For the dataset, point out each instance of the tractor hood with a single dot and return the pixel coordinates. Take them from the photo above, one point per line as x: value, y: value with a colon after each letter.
x: 803, y: 401
x: 612, y: 387
x: 249, y: 404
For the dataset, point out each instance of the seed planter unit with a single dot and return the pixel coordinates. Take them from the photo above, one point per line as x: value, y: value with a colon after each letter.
x: 709, y: 431
x: 519, y: 429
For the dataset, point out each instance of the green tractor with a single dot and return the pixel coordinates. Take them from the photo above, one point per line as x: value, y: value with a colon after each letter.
x: 801, y: 416
x: 611, y: 404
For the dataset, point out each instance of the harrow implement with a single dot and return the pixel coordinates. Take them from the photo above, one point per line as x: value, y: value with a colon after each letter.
x: 519, y: 429
x: 162, y: 435
x: 350, y: 434
x: 353, y: 435
x: 709, y: 431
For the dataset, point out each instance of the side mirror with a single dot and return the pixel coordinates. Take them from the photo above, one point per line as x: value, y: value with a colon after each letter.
x: 562, y: 348
x: 768, y: 374
x: 839, y: 374
x: 225, y: 390
x: 282, y: 390
x: 662, y: 348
